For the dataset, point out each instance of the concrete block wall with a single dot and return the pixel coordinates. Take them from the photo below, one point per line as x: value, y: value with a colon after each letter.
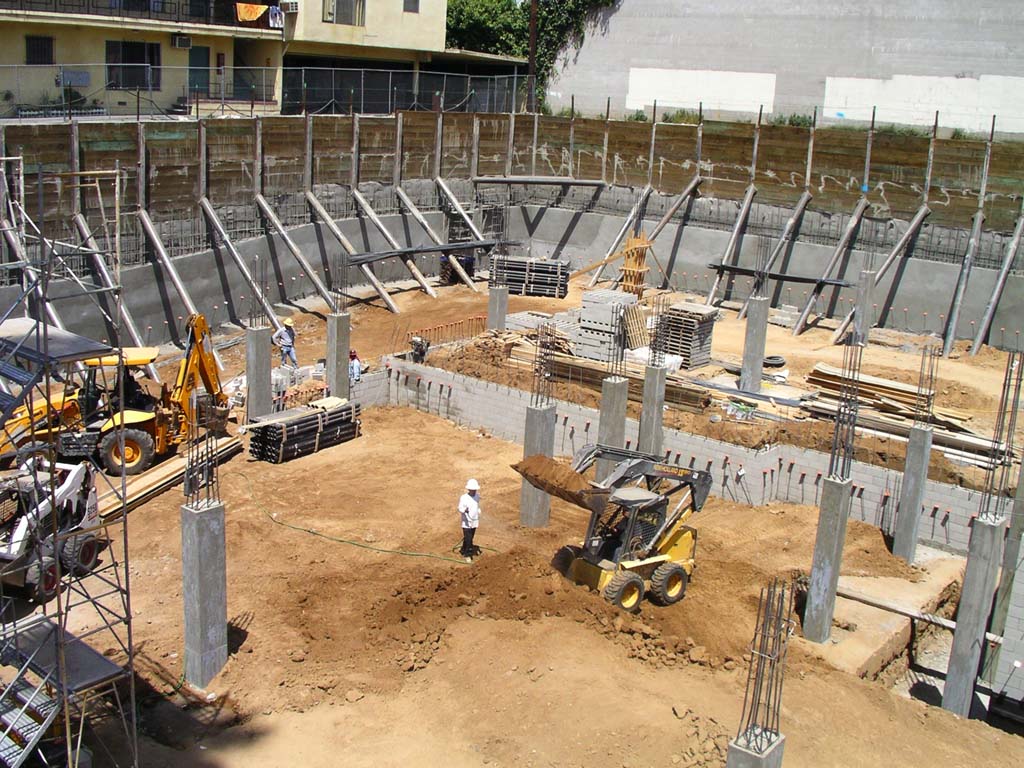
x: 1010, y: 677
x: 777, y: 473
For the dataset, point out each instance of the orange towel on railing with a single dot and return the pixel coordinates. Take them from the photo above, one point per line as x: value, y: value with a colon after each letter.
x: 249, y: 11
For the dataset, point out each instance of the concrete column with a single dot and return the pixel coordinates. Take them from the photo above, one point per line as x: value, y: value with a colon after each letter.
x: 259, y: 399
x: 915, y: 475
x: 754, y: 343
x: 983, y: 557
x: 534, y: 504
x: 833, y: 513
x: 741, y: 755
x: 611, y: 429
x: 1008, y: 573
x: 864, y: 314
x: 497, y: 307
x: 652, y: 411
x: 339, y: 331
x: 204, y: 589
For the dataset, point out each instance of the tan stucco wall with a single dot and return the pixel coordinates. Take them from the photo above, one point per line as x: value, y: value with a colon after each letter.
x: 387, y: 26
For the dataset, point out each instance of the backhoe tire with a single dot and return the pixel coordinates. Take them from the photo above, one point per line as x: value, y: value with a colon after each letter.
x: 138, y: 449
x: 668, y: 583
x: 80, y: 554
x: 41, y: 580
x: 625, y: 591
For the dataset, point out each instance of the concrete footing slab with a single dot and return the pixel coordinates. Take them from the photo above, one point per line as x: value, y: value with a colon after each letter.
x: 204, y: 591
x: 742, y: 756
x: 652, y: 434
x: 497, y: 308
x: 339, y: 331
x: 535, y: 504
x: 834, y: 512
x: 259, y: 398
x: 754, y: 343
x: 611, y: 429
x: 873, y: 643
x: 915, y: 476
x: 984, y: 556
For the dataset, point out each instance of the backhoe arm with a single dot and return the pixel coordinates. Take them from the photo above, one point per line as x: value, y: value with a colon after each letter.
x: 197, y: 365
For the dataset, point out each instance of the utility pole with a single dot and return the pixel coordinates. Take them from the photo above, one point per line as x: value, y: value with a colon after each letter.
x: 532, y: 78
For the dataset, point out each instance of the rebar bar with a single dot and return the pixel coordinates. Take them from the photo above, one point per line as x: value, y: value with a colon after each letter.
x: 924, y: 403
x: 541, y: 392
x: 994, y: 499
x: 202, y: 482
x: 841, y: 455
x: 659, y: 331
x: 759, y: 725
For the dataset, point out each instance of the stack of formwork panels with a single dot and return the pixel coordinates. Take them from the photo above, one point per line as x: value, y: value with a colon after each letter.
x: 302, y: 431
x: 686, y: 330
x: 528, y: 276
x: 600, y: 320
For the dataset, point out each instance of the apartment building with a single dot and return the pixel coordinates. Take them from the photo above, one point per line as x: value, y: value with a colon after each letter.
x: 101, y: 57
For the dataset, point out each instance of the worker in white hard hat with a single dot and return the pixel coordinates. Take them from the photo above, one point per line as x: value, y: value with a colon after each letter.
x: 285, y: 340
x: 469, y: 512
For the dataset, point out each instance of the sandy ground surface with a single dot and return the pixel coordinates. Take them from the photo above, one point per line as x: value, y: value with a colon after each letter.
x: 342, y: 654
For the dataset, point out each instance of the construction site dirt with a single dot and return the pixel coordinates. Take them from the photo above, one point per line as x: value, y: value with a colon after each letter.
x: 358, y: 638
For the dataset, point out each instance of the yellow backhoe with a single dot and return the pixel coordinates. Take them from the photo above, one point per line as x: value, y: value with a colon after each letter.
x: 156, y: 417
x: 637, y: 540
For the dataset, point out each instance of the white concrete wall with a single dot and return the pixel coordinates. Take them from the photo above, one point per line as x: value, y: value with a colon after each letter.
x: 844, y: 56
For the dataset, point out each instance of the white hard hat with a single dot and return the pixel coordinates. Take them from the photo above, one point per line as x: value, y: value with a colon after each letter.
x: 472, y: 485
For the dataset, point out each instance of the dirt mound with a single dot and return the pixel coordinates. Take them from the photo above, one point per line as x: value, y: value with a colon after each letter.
x: 557, y: 479
x: 866, y: 553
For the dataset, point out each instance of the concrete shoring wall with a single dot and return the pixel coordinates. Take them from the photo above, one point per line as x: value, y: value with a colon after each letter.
x: 170, y: 166
x: 778, y: 473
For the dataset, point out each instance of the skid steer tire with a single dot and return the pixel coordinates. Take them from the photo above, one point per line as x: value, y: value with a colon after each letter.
x: 625, y: 591
x: 668, y: 583
x: 80, y: 554
x: 138, y: 449
x: 41, y: 580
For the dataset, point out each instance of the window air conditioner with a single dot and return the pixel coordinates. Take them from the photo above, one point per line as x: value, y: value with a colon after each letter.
x: 181, y: 41
x: 290, y: 6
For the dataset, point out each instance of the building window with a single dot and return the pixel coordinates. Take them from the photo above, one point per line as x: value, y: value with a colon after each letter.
x: 133, y: 65
x: 412, y: 6
x: 351, y: 12
x: 38, y: 50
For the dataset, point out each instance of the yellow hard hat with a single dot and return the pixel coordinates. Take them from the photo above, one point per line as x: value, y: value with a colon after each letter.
x: 289, y: 322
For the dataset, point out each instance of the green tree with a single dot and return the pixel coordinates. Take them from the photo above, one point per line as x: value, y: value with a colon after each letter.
x: 503, y: 26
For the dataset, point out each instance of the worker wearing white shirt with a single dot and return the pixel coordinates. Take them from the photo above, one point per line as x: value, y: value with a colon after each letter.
x: 469, y: 512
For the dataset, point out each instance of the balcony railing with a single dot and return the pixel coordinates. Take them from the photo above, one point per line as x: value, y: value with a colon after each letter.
x: 185, y: 11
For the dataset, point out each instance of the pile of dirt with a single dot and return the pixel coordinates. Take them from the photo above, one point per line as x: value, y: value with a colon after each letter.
x: 555, y: 478
x: 866, y: 553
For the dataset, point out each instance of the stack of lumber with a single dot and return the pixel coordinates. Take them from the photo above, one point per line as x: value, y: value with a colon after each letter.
x: 526, y: 276
x: 634, y: 322
x: 686, y: 329
x: 302, y: 431
x: 600, y: 321
x: 889, y: 407
x: 154, y: 481
x: 680, y: 392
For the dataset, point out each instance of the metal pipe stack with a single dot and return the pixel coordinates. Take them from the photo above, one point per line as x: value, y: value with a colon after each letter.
x: 302, y: 431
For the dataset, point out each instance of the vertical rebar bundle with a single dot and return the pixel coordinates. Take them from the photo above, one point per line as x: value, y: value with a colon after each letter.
x: 841, y: 455
x: 617, y: 348
x: 994, y: 500
x: 540, y: 394
x: 659, y: 332
x: 759, y: 726
x: 924, y: 404
x: 202, y: 482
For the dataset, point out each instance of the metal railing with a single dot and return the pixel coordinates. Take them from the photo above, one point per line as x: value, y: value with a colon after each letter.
x: 219, y: 12
x: 85, y: 90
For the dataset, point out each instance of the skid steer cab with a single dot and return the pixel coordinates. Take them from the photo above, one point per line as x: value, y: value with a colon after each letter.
x: 156, y: 417
x: 638, y: 541
x: 48, y: 514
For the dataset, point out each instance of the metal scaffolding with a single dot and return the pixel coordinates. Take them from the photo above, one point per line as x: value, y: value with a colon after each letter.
x: 64, y: 532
